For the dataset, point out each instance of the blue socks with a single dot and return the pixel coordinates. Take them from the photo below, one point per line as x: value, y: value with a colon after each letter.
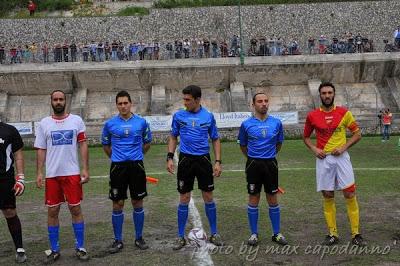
x: 252, y: 214
x: 117, y: 222
x: 275, y: 216
x: 79, y: 231
x: 53, y: 237
x: 211, y: 212
x: 138, y: 220
x: 183, y: 211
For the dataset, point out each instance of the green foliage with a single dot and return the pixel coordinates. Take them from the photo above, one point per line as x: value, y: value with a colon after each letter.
x: 133, y: 11
x: 52, y: 5
x: 6, y: 6
x: 200, y: 3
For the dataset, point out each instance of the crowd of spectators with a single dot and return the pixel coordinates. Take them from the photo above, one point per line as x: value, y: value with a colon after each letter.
x: 98, y: 51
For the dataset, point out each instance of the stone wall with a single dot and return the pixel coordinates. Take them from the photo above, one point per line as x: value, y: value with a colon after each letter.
x: 375, y: 19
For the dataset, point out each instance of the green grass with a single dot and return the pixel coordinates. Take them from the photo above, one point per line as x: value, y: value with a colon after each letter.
x: 133, y: 11
x: 377, y: 173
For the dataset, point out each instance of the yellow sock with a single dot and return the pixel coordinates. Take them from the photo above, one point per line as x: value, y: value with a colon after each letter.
x: 330, y: 215
x: 354, y: 215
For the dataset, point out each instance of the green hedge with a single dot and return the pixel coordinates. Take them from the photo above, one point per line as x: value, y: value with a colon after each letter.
x: 200, y: 3
x: 9, y: 5
x: 133, y: 11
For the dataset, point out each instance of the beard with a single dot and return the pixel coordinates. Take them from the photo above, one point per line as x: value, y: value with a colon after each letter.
x: 58, y: 109
x: 326, y: 104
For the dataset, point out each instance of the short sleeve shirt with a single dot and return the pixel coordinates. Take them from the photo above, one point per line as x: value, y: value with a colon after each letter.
x: 60, y: 138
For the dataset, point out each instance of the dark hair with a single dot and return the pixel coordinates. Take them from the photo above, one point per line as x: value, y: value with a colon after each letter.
x: 326, y: 84
x: 51, y: 94
x: 123, y: 94
x: 193, y: 90
x: 258, y: 93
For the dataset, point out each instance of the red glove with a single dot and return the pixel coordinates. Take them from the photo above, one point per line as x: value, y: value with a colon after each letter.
x: 19, y: 186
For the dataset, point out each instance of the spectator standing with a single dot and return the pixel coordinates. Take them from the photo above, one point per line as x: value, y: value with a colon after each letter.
x: 74, y: 51
x: 206, y: 48
x: 396, y: 36
x: 311, y: 45
x: 387, y: 121
x: 45, y: 51
x: 31, y: 8
x: 2, y: 54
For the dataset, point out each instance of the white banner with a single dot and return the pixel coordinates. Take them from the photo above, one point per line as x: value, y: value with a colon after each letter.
x: 24, y: 128
x: 223, y: 120
x: 159, y: 122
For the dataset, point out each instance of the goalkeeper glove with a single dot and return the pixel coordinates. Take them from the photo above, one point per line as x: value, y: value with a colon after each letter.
x: 19, y: 186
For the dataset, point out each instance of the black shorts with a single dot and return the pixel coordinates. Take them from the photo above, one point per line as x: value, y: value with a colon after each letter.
x: 7, y: 193
x: 191, y: 166
x: 261, y: 172
x: 127, y: 174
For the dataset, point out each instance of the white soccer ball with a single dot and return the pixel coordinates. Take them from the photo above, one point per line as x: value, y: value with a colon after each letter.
x: 197, y: 237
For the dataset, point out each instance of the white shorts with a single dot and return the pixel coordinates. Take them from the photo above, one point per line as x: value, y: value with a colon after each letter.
x: 334, y: 172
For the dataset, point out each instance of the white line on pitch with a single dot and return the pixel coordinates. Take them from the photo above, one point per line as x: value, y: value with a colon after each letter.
x: 280, y: 169
x: 200, y: 258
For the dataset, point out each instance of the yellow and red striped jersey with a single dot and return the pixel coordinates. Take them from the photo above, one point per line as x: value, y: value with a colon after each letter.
x: 330, y: 127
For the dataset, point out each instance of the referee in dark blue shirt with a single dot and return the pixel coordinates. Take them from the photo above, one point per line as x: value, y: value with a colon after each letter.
x: 260, y: 138
x: 195, y: 125
x: 126, y: 137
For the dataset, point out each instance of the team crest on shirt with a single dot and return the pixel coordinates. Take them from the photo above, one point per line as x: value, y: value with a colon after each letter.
x: 328, y: 119
x: 264, y: 132
x: 193, y: 123
x: 126, y: 131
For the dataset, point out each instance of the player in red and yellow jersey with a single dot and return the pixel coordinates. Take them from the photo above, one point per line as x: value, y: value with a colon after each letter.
x: 333, y: 166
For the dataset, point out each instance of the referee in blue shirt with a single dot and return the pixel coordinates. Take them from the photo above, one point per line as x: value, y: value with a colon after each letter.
x: 126, y: 137
x: 260, y: 138
x: 194, y: 125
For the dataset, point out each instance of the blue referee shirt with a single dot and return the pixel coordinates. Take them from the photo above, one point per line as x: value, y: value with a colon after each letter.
x: 194, y: 129
x: 126, y: 137
x: 261, y: 137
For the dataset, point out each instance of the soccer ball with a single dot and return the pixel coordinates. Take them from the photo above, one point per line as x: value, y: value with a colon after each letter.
x: 197, y: 237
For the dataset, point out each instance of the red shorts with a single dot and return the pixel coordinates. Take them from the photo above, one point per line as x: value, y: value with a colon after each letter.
x: 63, y: 188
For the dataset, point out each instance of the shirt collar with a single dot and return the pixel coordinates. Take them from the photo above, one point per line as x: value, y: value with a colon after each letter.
x: 322, y: 110
x: 132, y: 116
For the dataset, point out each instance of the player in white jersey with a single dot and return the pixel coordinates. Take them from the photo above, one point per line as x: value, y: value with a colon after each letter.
x: 57, y: 141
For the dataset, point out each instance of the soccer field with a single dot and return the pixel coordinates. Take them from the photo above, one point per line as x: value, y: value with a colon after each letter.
x: 377, y: 170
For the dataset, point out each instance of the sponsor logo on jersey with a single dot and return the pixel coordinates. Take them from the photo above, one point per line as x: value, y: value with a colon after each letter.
x: 62, y: 137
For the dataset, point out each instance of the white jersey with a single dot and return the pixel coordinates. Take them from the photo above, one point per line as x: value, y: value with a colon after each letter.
x: 60, y: 138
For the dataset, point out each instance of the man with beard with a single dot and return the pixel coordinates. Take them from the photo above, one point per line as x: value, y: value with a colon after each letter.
x: 57, y: 140
x: 260, y: 139
x: 334, y: 170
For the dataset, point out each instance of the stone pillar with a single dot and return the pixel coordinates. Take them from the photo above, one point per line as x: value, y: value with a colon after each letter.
x: 396, y: 92
x: 158, y: 100
x: 79, y: 96
x: 238, y: 98
x: 3, y: 105
x: 313, y: 85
